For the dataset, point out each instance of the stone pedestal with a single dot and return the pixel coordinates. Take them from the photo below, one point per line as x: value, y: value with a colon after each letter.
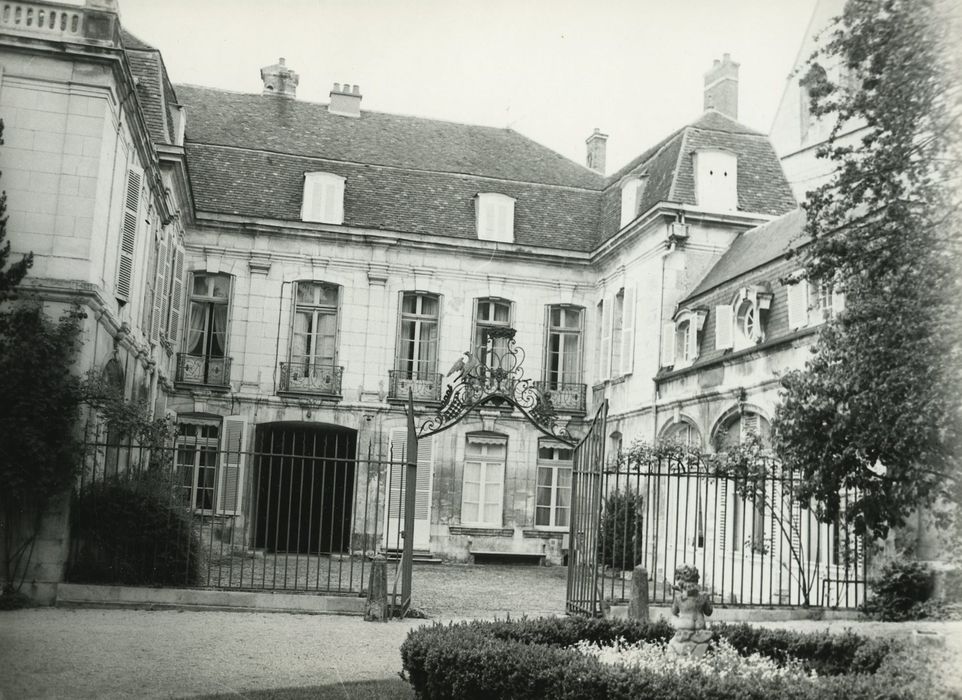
x: 377, y: 607
x: 638, y: 608
x: 690, y: 642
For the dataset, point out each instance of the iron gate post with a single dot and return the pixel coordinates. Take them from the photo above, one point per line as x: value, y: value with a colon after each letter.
x: 410, y: 491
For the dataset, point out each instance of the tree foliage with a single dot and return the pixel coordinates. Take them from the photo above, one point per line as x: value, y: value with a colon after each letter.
x: 877, y: 406
x: 12, y: 275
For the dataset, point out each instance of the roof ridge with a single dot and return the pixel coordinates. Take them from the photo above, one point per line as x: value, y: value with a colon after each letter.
x: 745, y: 129
x: 653, y: 151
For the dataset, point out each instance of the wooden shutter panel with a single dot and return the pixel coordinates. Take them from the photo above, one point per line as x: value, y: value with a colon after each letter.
x: 628, y: 331
x: 176, y: 295
x: 168, y: 273
x: 798, y: 304
x: 605, y: 348
x: 721, y: 540
x: 667, y: 344
x: 160, y: 287
x: 232, y: 465
x: 308, y: 199
x: 422, y: 498
x: 724, y: 327
x: 150, y: 294
x: 128, y: 233
x: 692, y: 331
x: 397, y: 455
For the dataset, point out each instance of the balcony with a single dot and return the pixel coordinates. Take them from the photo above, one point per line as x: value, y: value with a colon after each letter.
x: 424, y: 386
x: 566, y: 398
x: 61, y: 22
x: 306, y: 378
x: 200, y: 370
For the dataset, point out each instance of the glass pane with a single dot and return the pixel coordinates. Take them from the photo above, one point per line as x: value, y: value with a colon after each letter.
x: 409, y: 303
x: 497, y: 451
x: 571, y: 357
x: 564, y: 477
x: 561, y: 517
x: 429, y: 307
x: 542, y: 516
x: 469, y: 512
x: 572, y: 318
x: 492, y: 514
x: 544, y: 476
x: 305, y: 293
x: 544, y: 496
x: 200, y: 285
x: 545, y: 453
x: 556, y: 315
x: 501, y: 313
x: 472, y: 492
x: 220, y: 286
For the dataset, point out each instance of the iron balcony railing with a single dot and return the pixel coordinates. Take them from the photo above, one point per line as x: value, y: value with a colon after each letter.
x: 565, y: 397
x: 424, y: 386
x: 307, y: 378
x: 203, y: 370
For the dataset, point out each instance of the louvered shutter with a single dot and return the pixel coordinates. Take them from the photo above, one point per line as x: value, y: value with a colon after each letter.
x: 176, y: 295
x: 797, y: 304
x: 231, y: 481
x: 667, y: 344
x: 722, y: 540
x: 150, y: 294
x: 749, y: 425
x: 605, y: 348
x: 168, y: 274
x: 308, y: 203
x: 160, y: 287
x: 724, y: 327
x: 422, y: 499
x: 128, y: 233
x: 628, y: 331
x: 398, y: 459
x: 692, y: 331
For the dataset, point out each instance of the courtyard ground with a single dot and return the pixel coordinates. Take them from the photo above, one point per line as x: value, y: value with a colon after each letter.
x: 94, y: 653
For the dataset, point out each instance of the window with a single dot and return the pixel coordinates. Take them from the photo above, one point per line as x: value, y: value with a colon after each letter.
x: 418, y: 344
x: 682, y: 433
x: 490, y: 314
x: 603, y: 340
x: 716, y: 180
x: 563, y: 346
x: 165, y: 293
x: 482, y: 493
x: 630, y: 199
x: 617, y: 322
x: 197, y: 445
x: 314, y: 335
x: 495, y: 217
x: 207, y: 328
x: 554, y: 484
x: 810, y: 302
x: 618, y: 334
x: 740, y: 324
x: 733, y: 432
x: 323, y: 200
x: 747, y: 321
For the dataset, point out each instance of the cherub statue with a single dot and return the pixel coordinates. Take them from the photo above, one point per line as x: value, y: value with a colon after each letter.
x: 689, y: 608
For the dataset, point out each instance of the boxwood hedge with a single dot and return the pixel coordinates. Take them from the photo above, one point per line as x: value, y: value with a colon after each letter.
x: 531, y: 659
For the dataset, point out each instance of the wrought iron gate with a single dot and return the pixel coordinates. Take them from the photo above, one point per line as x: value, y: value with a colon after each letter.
x: 583, y: 595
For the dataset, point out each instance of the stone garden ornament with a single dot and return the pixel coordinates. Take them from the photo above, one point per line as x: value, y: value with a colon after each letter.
x: 689, y: 609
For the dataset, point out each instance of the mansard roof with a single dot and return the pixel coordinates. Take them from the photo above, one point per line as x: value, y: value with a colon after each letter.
x: 753, y: 249
x: 154, y: 90
x: 296, y: 127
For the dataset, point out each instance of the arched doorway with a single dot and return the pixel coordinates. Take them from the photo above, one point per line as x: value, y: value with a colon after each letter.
x: 303, y: 486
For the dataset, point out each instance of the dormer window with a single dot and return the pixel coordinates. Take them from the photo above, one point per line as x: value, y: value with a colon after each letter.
x: 630, y: 199
x: 495, y: 217
x: 323, y: 198
x: 716, y: 180
x: 681, y: 338
x: 811, y: 302
x: 740, y: 324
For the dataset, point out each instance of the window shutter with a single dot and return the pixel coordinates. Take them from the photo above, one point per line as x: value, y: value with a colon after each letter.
x: 838, y: 302
x: 176, y: 295
x: 329, y: 203
x: 797, y: 304
x: 422, y: 499
x: 749, y: 425
x: 605, y: 348
x: 628, y: 331
x: 232, y: 465
x: 692, y: 338
x: 168, y: 274
x: 128, y: 233
x: 397, y: 454
x: 721, y: 540
x: 724, y: 327
x: 150, y: 295
x: 307, y: 203
x: 667, y: 344
x: 160, y: 287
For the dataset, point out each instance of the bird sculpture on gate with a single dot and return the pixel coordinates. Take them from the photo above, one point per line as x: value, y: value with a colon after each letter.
x: 464, y: 364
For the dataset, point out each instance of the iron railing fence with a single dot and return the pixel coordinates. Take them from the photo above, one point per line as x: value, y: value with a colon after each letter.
x: 424, y: 386
x: 197, y: 515
x: 308, y: 378
x: 752, y: 541
x: 566, y: 397
x: 202, y: 370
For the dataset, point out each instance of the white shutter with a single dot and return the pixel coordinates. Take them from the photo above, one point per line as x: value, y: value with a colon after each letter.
x: 724, y: 327
x: 176, y: 295
x: 307, y: 203
x: 160, y: 287
x: 422, y: 497
x: 231, y: 480
x: 150, y: 296
x: 628, y: 331
x: 168, y: 273
x: 398, y: 458
x: 692, y: 338
x: 667, y: 344
x: 128, y: 233
x: 329, y: 203
x: 720, y: 539
x: 798, y: 304
x: 838, y: 302
x: 605, y: 348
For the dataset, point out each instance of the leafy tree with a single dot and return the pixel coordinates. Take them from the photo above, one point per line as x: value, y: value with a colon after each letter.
x: 10, y: 277
x: 878, y: 407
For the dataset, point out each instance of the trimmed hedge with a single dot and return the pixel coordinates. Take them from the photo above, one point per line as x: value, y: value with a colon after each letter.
x: 531, y: 659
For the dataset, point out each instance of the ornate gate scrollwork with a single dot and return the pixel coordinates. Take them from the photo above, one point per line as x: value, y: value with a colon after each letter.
x: 493, y: 374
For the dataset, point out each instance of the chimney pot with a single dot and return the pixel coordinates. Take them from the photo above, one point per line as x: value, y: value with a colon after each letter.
x: 345, y: 100
x: 357, y: 89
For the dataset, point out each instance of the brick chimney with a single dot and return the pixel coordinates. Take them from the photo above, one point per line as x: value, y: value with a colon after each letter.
x: 721, y: 87
x: 279, y: 80
x: 597, y: 144
x: 345, y: 100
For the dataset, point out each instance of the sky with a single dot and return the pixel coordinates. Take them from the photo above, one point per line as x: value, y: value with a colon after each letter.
x: 553, y: 70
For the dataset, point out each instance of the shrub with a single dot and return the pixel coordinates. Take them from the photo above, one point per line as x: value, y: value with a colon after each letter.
x: 620, y: 540
x: 900, y: 591
x: 130, y: 531
x: 534, y: 659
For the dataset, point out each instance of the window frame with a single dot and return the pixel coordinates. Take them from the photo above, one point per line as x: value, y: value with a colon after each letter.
x: 210, y: 301
x: 418, y: 319
x: 479, y: 345
x: 560, y: 376
x: 485, y: 439
x: 556, y: 466
x: 317, y: 310
x: 211, y: 446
